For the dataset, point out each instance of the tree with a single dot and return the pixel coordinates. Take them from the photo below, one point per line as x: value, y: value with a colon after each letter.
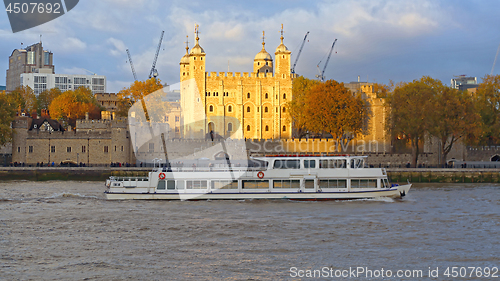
x: 24, y: 98
x: 410, y: 106
x: 45, y: 98
x: 301, y: 87
x: 7, y: 114
x: 136, y: 92
x: 453, y: 116
x: 332, y: 108
x: 73, y: 104
x: 488, y: 105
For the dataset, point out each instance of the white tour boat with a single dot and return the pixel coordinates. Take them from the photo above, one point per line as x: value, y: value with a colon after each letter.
x: 279, y: 177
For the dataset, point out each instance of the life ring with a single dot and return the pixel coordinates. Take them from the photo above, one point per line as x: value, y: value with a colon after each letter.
x: 161, y: 176
x: 260, y: 174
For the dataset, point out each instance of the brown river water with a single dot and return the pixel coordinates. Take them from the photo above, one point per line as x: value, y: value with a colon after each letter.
x: 68, y: 231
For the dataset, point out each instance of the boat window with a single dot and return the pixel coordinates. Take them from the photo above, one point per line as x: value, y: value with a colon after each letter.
x: 196, y: 184
x: 161, y: 185
x: 171, y: 184
x: 287, y: 164
x: 286, y: 184
x: 180, y: 184
x: 224, y: 184
x: 368, y: 183
x: 332, y: 163
x: 255, y: 184
x: 385, y: 183
x: 309, y: 164
x: 356, y: 163
x: 309, y: 184
x: 332, y: 183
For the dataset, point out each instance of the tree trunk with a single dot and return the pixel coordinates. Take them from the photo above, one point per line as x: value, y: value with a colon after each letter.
x: 414, y: 152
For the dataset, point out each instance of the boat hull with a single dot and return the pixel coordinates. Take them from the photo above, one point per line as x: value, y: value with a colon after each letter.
x: 395, y: 192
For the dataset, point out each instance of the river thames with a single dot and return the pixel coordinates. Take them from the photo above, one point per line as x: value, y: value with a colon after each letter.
x: 68, y: 231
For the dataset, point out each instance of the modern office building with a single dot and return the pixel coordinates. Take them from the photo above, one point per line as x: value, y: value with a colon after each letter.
x: 464, y: 83
x: 33, y: 59
x: 40, y: 82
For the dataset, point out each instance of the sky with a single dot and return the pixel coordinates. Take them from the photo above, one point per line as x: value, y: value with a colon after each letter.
x: 377, y: 40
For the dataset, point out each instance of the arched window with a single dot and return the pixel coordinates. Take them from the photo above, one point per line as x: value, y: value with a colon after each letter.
x: 248, y: 95
x: 248, y: 128
x: 284, y: 109
x: 267, y: 128
x: 211, y: 108
x: 208, y: 93
x: 230, y: 108
x: 229, y: 127
x: 258, y: 63
x: 284, y: 96
x: 248, y: 109
x: 266, y: 109
x: 267, y: 96
x: 267, y: 70
x: 284, y: 128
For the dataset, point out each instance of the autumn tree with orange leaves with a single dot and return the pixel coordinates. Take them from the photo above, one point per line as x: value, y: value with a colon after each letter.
x: 330, y: 107
x: 72, y: 105
x: 136, y: 92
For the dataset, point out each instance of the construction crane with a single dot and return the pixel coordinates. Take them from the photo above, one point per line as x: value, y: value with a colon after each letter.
x: 154, y: 72
x: 321, y: 76
x: 131, y: 65
x: 298, y: 54
x: 495, y: 60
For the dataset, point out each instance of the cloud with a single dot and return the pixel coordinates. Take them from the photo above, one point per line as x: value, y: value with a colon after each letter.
x: 119, y: 47
x: 72, y: 44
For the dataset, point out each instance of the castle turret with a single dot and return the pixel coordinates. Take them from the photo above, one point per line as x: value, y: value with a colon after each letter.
x: 184, y: 64
x: 282, y: 56
x: 263, y: 62
x: 197, y: 65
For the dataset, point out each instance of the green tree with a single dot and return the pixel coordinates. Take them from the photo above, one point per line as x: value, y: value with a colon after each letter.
x: 488, y: 106
x: 136, y: 92
x: 332, y: 108
x: 453, y: 117
x: 410, y: 106
x: 301, y: 87
x: 7, y: 114
x: 45, y: 98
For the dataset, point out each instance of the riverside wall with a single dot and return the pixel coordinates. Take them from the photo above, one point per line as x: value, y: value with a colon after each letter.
x: 449, y: 175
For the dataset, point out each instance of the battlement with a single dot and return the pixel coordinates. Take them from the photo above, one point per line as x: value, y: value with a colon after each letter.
x: 238, y: 75
x: 69, y: 135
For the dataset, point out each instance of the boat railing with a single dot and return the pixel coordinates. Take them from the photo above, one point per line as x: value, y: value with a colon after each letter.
x: 209, y: 169
x: 129, y: 178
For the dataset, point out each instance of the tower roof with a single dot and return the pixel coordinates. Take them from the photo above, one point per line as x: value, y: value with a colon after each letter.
x: 263, y: 54
x: 282, y: 48
x: 185, y: 58
x: 197, y: 49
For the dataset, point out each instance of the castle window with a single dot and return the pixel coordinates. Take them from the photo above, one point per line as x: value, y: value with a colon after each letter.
x: 229, y: 127
x: 248, y: 109
x: 284, y: 128
x: 184, y: 74
x: 194, y: 58
x: 211, y: 109
x: 248, y: 95
x: 284, y: 109
x: 176, y: 118
x: 267, y: 70
x: 248, y: 128
x: 52, y: 149
x: 106, y: 149
x: 266, y: 109
x: 258, y: 63
x: 267, y: 63
x: 283, y: 76
x: 115, y: 148
x: 122, y: 148
x: 84, y: 149
x: 267, y: 128
x: 68, y: 149
x: 30, y: 149
x: 208, y: 93
x: 18, y: 149
x: 230, y: 108
x: 201, y: 58
x: 284, y: 96
x: 267, y: 96
x: 283, y: 56
x: 276, y: 110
